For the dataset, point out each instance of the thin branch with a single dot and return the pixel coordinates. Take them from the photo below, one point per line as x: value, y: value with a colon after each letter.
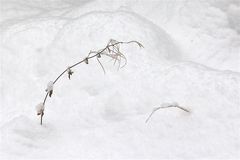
x: 99, y: 52
x: 59, y: 76
x: 155, y: 109
x: 41, y: 118
x: 112, y: 50
x: 45, y: 98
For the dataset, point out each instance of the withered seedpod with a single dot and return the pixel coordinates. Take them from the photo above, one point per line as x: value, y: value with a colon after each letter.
x: 50, y: 93
x: 70, y: 72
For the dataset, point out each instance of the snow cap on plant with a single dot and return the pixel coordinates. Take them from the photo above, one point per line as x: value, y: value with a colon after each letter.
x: 40, y: 108
x: 49, y: 88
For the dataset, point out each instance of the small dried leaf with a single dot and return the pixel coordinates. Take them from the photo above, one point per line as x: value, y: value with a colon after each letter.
x: 86, y: 60
x: 50, y: 93
x: 109, y: 51
x: 70, y: 72
x: 140, y: 45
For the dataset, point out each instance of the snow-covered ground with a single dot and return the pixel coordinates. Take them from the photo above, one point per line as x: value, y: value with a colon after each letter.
x: 191, y: 56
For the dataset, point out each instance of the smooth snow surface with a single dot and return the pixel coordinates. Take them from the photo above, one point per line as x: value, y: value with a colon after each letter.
x: 191, y: 57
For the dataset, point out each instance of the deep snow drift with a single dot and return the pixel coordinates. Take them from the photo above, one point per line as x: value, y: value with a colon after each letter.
x: 190, y: 56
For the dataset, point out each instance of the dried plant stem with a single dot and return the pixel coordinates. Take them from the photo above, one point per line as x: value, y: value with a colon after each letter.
x: 111, y: 50
x: 155, y: 109
x: 41, y: 118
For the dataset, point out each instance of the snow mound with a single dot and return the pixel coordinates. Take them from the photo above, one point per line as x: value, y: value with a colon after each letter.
x: 107, y: 120
x: 44, y: 48
x: 22, y: 132
x: 92, y: 30
x: 96, y: 116
x: 208, y: 35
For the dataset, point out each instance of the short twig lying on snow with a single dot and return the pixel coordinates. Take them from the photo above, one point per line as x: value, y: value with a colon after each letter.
x: 112, y: 50
x: 167, y: 105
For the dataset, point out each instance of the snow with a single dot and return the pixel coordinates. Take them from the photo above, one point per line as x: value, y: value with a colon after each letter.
x: 39, y: 108
x: 169, y: 104
x: 190, y: 58
x: 49, y: 86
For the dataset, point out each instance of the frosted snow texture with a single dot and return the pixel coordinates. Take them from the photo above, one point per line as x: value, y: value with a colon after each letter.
x: 49, y: 86
x: 40, y: 108
x: 190, y: 56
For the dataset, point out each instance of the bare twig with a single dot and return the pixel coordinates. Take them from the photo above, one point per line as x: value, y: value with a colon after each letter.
x: 112, y: 50
x: 162, y: 107
x: 41, y: 118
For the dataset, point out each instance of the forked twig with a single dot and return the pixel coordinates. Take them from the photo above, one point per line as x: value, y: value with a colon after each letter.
x: 162, y: 107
